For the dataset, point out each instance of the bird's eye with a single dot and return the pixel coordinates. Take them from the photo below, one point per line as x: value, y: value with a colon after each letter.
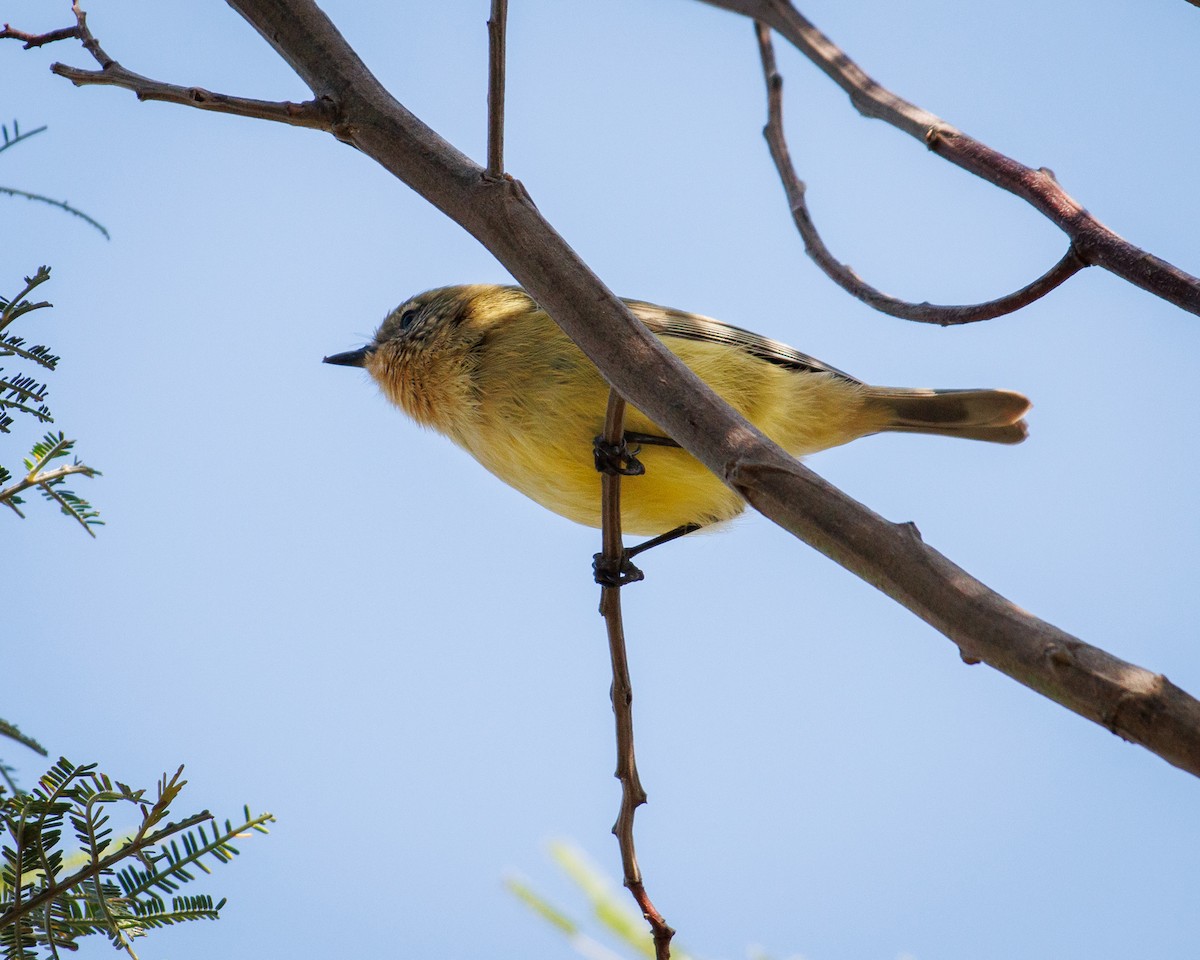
x: 407, y: 318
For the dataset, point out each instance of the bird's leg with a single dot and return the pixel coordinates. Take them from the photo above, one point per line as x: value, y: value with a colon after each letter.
x: 617, y: 458
x: 649, y: 439
x: 680, y: 531
x: 617, y: 574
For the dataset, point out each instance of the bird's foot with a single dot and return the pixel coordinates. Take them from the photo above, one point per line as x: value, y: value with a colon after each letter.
x: 617, y: 458
x: 615, y: 573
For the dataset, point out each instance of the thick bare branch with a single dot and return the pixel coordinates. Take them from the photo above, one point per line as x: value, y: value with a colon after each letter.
x: 842, y: 275
x: 1092, y: 241
x: 1134, y: 703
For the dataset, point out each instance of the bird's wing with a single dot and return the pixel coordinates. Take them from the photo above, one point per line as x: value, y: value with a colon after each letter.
x: 667, y: 322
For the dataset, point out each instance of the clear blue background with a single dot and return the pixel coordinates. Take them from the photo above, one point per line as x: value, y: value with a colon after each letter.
x: 330, y: 614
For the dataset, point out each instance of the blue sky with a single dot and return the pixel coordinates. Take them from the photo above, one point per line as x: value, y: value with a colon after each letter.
x: 328, y: 613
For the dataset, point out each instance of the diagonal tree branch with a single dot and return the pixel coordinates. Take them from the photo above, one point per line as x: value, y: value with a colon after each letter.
x: 1092, y: 241
x: 1128, y: 700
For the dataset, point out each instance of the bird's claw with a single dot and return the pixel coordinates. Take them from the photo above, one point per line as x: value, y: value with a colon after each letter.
x: 615, y: 573
x: 616, y: 458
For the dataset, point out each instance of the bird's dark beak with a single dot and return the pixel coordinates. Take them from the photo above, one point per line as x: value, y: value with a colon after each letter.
x: 351, y: 358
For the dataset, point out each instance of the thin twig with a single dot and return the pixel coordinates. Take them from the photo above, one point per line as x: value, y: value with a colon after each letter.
x: 1092, y: 241
x: 37, y: 479
x: 61, y: 204
x: 31, y: 40
x: 18, y: 137
x: 18, y: 305
x: 632, y: 793
x: 316, y: 114
x: 497, y: 30
x: 846, y: 278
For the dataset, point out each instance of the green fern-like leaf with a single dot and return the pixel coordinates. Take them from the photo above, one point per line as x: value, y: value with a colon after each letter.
x: 20, y: 305
x: 170, y: 867
x: 46, y: 450
x: 48, y: 900
x: 71, y: 504
x: 24, y: 394
x: 152, y: 912
x: 50, y: 481
x: 8, y: 729
x: 22, y: 387
x: 14, y: 346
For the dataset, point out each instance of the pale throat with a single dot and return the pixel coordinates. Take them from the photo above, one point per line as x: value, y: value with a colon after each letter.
x: 432, y: 391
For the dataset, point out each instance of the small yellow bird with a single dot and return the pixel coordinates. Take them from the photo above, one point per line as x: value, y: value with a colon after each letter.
x: 487, y: 367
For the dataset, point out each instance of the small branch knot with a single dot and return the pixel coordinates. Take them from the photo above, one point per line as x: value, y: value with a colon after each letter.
x: 912, y: 530
x: 1058, y: 655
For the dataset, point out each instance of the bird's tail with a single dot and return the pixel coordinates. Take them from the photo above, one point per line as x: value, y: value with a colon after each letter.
x: 992, y: 415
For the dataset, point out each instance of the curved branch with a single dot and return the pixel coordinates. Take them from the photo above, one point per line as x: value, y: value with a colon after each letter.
x: 1093, y: 242
x: 845, y: 277
x: 61, y: 204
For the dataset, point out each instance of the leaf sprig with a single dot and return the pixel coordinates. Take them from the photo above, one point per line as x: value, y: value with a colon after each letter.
x: 24, y: 394
x: 111, y: 885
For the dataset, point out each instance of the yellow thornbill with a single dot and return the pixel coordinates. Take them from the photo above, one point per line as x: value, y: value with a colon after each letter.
x: 484, y: 365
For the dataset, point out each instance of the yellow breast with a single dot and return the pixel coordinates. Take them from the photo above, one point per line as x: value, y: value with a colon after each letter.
x: 538, y: 403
